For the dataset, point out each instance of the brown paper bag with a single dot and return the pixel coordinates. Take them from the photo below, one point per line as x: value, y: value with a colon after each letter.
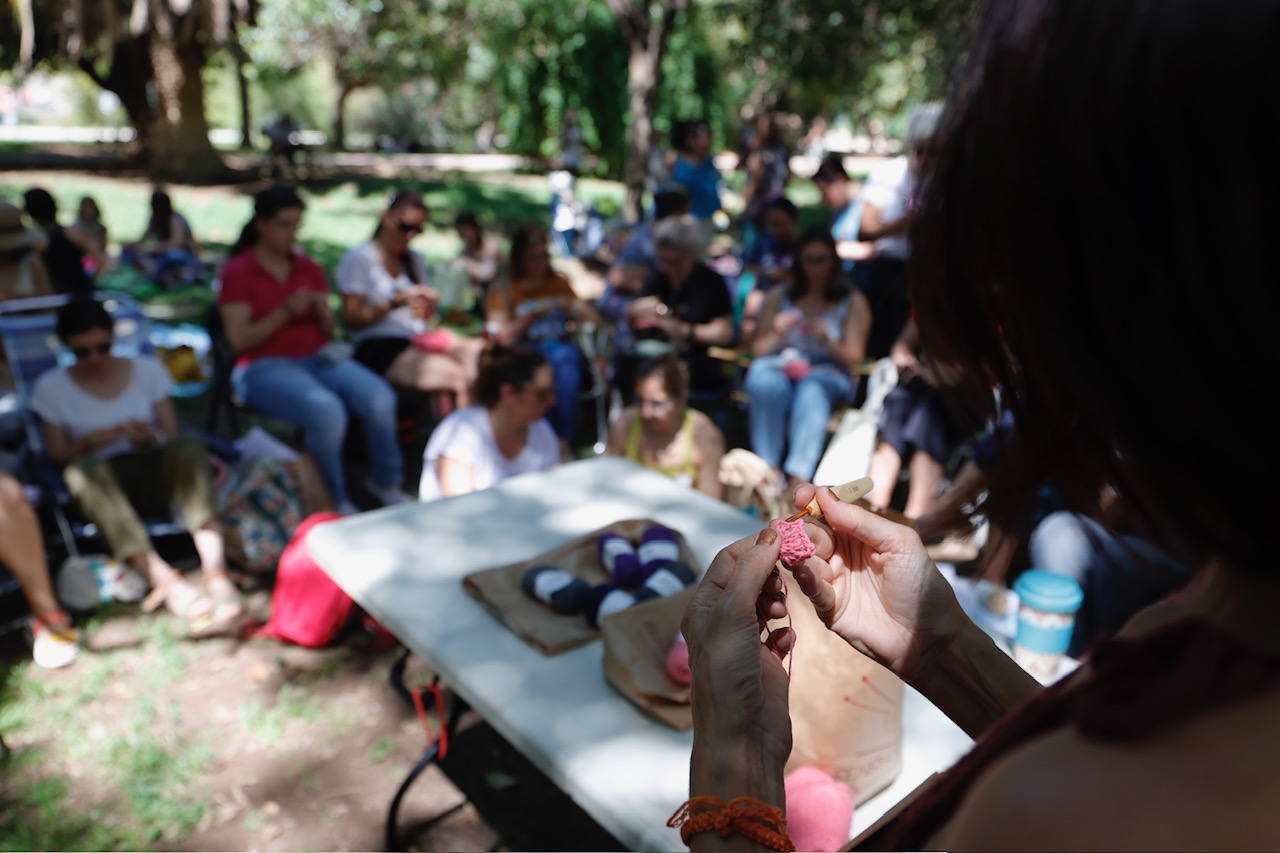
x: 636, y: 643
x: 499, y: 589
x: 846, y: 710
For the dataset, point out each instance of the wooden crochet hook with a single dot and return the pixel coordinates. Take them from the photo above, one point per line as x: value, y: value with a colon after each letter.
x: 848, y: 492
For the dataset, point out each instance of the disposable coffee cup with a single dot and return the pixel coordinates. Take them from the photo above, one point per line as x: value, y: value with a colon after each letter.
x: 1046, y: 619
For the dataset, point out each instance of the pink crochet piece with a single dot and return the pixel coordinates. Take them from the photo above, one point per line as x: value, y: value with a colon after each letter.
x: 796, y: 544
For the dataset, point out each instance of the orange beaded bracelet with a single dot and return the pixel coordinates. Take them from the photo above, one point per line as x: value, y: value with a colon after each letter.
x: 745, y: 816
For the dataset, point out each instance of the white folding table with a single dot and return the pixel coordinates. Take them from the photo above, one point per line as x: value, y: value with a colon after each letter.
x: 405, y: 564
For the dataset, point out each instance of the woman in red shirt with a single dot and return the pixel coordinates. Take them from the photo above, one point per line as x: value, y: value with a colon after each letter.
x: 277, y: 318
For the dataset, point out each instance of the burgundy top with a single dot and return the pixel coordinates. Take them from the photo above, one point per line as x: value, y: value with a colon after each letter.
x: 1138, y: 687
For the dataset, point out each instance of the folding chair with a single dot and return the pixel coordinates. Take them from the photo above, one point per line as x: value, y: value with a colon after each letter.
x: 31, y: 346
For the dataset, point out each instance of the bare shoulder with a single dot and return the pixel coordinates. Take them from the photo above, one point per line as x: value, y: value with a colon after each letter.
x: 705, y: 430
x: 1206, y: 784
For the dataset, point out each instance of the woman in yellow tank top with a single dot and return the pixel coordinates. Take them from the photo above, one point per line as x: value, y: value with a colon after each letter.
x: 661, y: 432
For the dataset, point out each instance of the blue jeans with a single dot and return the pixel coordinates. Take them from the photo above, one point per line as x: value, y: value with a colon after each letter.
x: 566, y: 365
x: 794, y: 412
x: 1120, y: 575
x: 316, y: 396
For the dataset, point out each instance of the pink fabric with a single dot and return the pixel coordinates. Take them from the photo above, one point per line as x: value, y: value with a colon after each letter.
x: 819, y: 810
x: 436, y: 340
x: 796, y: 544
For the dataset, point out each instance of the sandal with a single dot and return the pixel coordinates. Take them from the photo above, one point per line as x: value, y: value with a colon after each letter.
x: 181, y: 598
x: 228, y: 603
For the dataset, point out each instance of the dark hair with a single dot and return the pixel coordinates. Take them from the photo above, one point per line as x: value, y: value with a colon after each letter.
x: 82, y: 314
x: 673, y: 372
x: 266, y: 204
x: 1104, y: 341
x: 465, y: 218
x: 520, y: 241
x: 831, y: 170
x: 40, y: 205
x: 783, y: 204
x: 402, y: 198
x: 670, y: 203
x: 837, y: 285
x: 682, y: 130
x: 161, y: 224
x: 405, y: 198
x: 90, y: 200
x: 499, y: 365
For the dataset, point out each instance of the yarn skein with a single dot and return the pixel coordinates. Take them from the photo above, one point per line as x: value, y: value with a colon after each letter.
x: 658, y: 544
x: 555, y: 587
x: 599, y: 601
x: 667, y: 578
x: 618, y: 557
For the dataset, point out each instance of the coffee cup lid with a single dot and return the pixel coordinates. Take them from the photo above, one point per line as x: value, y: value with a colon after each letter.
x: 1047, y: 591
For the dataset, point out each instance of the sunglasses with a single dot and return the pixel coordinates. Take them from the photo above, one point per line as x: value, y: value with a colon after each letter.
x: 406, y: 228
x: 85, y: 352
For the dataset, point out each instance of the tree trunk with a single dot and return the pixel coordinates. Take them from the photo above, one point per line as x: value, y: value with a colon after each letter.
x: 178, y: 146
x: 156, y: 76
x: 242, y: 85
x: 340, y: 115
x: 642, y: 83
x: 647, y: 40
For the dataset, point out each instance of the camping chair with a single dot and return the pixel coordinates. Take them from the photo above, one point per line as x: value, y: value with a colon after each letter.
x: 28, y: 334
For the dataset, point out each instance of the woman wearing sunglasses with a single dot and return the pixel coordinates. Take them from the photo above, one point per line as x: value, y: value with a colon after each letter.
x: 387, y: 304
x: 110, y: 422
x: 275, y: 310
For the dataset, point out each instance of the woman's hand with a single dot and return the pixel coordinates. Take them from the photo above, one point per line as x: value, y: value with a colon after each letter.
x: 299, y: 302
x: 872, y: 583
x: 140, y: 434
x: 742, y: 726
x: 785, y: 321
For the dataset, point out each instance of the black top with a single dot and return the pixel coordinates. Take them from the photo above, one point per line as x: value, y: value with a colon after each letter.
x: 65, y: 262
x: 703, y: 297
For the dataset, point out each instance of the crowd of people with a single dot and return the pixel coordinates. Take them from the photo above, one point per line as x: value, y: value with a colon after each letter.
x: 1044, y: 379
x: 699, y: 354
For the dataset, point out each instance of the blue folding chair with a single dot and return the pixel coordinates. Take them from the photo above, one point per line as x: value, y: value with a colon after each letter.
x: 31, y: 346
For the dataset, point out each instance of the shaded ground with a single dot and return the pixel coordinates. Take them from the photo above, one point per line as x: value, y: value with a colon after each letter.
x: 158, y: 740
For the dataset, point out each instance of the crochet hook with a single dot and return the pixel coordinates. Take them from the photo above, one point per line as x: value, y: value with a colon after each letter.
x: 847, y: 492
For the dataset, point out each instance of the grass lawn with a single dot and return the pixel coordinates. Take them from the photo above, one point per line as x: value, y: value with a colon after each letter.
x: 342, y: 213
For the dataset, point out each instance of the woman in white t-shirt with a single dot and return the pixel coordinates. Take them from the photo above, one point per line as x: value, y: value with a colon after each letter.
x: 386, y: 304
x: 506, y: 435
x: 110, y: 422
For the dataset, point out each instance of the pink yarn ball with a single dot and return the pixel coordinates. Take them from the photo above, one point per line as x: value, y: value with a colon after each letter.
x: 796, y: 369
x: 678, y: 662
x: 819, y: 810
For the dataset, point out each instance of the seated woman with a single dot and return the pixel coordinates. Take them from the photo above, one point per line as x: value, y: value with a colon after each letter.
x: 275, y: 310
x: 661, y: 432
x: 811, y: 333
x: 110, y: 422
x: 685, y: 305
x: 167, y: 251
x: 505, y: 435
x: 55, y: 643
x: 386, y: 303
x: 89, y: 221
x: 22, y: 273
x: 915, y: 430
x: 480, y: 254
x: 537, y: 306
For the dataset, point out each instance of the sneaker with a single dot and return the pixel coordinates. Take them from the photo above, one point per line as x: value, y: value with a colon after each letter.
x: 389, y: 495
x: 53, y: 646
x: 346, y: 508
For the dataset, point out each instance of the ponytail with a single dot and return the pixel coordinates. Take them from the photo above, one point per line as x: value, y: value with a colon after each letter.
x: 266, y: 204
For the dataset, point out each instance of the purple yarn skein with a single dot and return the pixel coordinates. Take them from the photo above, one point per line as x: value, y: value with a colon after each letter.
x: 618, y: 557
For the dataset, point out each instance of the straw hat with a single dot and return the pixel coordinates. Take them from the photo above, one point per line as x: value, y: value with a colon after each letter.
x: 14, y: 234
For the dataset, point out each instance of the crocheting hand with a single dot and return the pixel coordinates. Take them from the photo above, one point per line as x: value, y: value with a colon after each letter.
x: 873, y: 584
x: 742, y: 728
